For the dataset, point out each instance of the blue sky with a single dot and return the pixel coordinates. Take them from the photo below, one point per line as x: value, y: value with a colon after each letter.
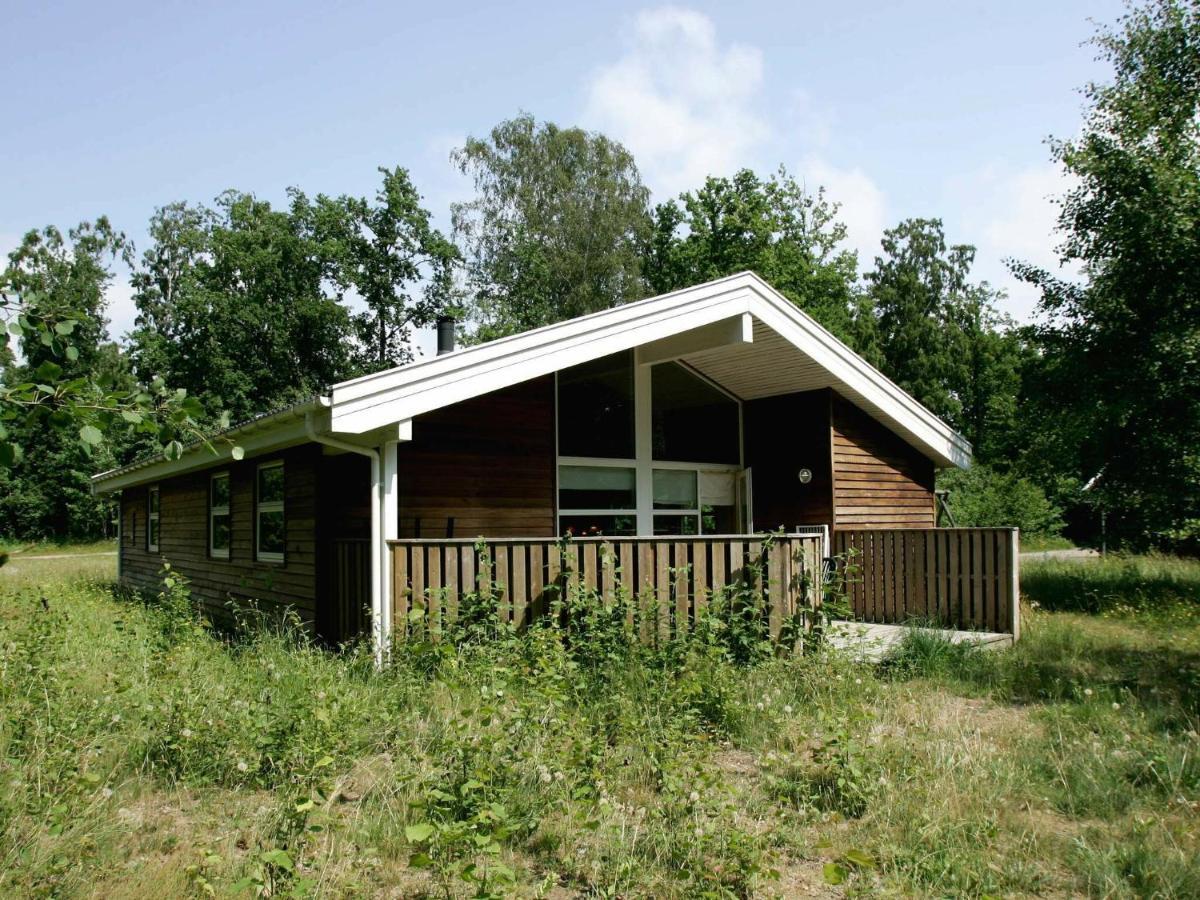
x: 898, y: 108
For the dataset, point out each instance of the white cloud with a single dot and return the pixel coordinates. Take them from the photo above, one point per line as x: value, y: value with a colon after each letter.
x: 1013, y: 216
x: 121, y: 309
x: 685, y: 105
x: 863, y: 204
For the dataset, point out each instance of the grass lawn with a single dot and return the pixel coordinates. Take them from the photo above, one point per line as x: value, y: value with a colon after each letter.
x: 141, y: 757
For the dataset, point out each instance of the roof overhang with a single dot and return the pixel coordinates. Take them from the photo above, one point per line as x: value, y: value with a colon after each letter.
x: 265, y: 434
x: 738, y: 331
x: 729, y: 329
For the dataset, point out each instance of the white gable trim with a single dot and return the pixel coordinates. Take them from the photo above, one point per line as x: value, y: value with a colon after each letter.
x: 400, y: 394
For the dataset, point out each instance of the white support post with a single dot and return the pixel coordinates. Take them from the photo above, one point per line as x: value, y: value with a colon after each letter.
x: 390, y: 531
x: 376, y: 558
x: 643, y: 422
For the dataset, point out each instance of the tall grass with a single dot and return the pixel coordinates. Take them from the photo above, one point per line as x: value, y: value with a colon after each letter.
x: 142, y: 755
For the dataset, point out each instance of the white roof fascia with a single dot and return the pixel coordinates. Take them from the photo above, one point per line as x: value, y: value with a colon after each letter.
x: 400, y: 394
x: 277, y: 432
x: 408, y: 391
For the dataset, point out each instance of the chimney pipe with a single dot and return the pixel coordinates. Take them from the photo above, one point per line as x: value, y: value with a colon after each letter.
x: 445, y: 335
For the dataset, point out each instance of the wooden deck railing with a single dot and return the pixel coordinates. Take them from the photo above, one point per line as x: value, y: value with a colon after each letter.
x: 666, y: 582
x: 964, y: 578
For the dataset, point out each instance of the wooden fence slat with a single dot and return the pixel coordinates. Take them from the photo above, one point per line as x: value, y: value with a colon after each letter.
x: 662, y: 589
x: 627, y: 577
x: 700, y: 584
x: 588, y: 565
x: 400, y: 590
x: 775, y: 587
x: 450, y: 580
x: 977, y: 609
x: 682, y: 588
x: 518, y: 588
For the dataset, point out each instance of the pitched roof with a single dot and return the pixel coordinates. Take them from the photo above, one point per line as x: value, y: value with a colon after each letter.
x: 777, y: 349
x: 789, y: 352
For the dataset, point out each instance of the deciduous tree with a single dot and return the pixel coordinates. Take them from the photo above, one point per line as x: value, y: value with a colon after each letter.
x: 555, y: 228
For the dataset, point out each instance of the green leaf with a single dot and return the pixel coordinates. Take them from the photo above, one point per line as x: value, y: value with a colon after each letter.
x: 419, y: 861
x: 419, y: 833
x: 173, y: 450
x: 65, y: 327
x: 279, y: 858
x: 304, y: 805
x: 834, y: 874
x: 90, y: 434
x: 860, y: 858
x: 8, y: 454
x: 72, y: 353
x: 131, y: 416
x: 48, y: 371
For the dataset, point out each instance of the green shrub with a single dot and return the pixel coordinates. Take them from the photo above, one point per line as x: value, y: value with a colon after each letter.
x: 983, y: 497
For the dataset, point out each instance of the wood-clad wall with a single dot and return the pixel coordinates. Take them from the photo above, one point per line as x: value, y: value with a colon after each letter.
x: 879, y: 480
x: 482, y: 467
x: 183, y: 538
x: 783, y: 435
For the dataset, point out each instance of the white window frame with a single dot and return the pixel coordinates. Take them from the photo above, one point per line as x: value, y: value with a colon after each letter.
x: 214, y: 511
x: 596, y: 462
x: 153, y: 518
x: 269, y: 506
x: 644, y: 463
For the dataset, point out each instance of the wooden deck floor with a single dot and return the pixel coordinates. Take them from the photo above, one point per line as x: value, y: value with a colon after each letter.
x: 872, y: 642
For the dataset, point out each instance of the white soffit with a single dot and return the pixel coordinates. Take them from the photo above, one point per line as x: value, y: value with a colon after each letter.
x: 789, y: 352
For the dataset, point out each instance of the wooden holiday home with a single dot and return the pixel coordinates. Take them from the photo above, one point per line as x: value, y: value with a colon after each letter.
x: 670, y: 433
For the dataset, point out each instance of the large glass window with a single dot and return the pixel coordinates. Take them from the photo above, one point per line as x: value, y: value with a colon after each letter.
x: 596, y: 487
x: 693, y: 420
x: 152, y: 515
x: 675, y: 492
x: 218, y: 516
x: 595, y: 500
x: 269, y: 521
x: 595, y: 408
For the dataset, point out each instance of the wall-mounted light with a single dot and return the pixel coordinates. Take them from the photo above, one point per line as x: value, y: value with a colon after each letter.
x: 805, y: 476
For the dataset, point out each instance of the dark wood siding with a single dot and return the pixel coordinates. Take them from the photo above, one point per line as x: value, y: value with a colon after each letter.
x: 482, y: 467
x: 880, y: 481
x: 783, y: 435
x: 183, y: 538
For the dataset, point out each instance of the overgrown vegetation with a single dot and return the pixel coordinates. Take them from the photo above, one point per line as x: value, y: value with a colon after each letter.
x: 142, y: 755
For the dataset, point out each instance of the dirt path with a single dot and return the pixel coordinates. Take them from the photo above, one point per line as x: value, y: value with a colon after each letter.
x: 22, y: 558
x: 1070, y: 553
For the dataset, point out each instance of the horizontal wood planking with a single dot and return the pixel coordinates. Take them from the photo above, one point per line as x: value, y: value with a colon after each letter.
x: 483, y: 466
x: 183, y: 539
x: 879, y: 480
x: 958, y: 577
x: 665, y: 582
x: 783, y: 435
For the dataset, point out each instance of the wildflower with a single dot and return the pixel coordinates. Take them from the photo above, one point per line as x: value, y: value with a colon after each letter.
x: 759, y: 707
x: 106, y: 793
x: 559, y: 776
x: 699, y: 832
x: 1116, y: 705
x: 858, y: 681
x: 546, y: 778
x: 186, y: 733
x: 693, y: 797
x: 787, y: 710
x: 1087, y: 692
x: 320, y: 695
x: 241, y: 766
